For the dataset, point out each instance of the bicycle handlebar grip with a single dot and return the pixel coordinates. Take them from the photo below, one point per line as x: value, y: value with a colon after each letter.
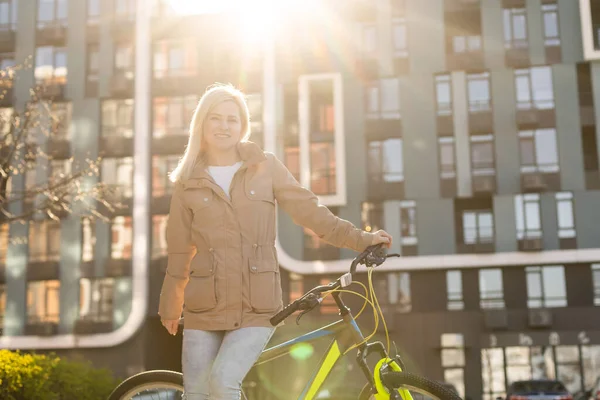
x: 283, y: 314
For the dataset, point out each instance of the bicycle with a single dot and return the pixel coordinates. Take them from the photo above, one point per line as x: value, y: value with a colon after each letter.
x: 387, y: 380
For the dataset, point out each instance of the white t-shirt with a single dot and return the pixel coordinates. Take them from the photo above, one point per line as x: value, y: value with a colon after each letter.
x: 224, y: 175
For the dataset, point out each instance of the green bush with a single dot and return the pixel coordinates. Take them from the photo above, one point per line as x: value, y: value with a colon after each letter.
x: 25, y: 376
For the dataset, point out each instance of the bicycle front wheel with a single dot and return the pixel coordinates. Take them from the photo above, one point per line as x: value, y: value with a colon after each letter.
x: 150, y: 385
x: 415, y: 384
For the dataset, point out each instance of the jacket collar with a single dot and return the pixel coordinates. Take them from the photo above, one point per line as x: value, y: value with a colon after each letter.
x: 250, y: 152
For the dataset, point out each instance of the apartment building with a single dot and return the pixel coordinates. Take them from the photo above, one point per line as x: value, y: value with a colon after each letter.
x: 465, y: 128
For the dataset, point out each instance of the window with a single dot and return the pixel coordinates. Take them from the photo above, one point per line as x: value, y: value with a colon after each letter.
x: 43, y: 301
x: 454, y: 288
x: 159, y: 235
x: 546, y: 286
x: 60, y: 170
x: 527, y: 213
x: 443, y: 91
x: 50, y: 65
x: 3, y: 243
x: 93, y: 11
x: 88, y: 239
x: 478, y: 89
x: 44, y: 241
x: 566, y: 219
x: 467, y: 43
x: 7, y: 60
x: 322, y: 165
x: 550, y: 16
x: 491, y: 289
x: 408, y: 222
x: 385, y: 160
x: 399, y: 37
x: 538, y: 150
x: 121, y: 238
x: 493, y: 373
x: 172, y: 115
x: 515, y: 28
x: 96, y: 299
x: 453, y: 360
x: 117, y: 118
x: 292, y: 160
x: 8, y: 15
x: 118, y: 172
x: 399, y: 291
x: 478, y: 226
x: 371, y: 216
x: 125, y: 9
x: 368, y: 39
x: 60, y: 113
x: 51, y: 12
x: 596, y: 280
x: 161, y: 168
x: 534, y: 88
x: 383, y: 99
x: 482, y: 155
x: 92, y: 64
x: 447, y: 158
x: 175, y: 58
x: 124, y: 60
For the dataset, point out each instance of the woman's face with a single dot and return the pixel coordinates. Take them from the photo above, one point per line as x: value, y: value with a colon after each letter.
x: 223, y: 127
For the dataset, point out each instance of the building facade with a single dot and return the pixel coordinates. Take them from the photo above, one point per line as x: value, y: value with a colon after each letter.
x: 465, y: 128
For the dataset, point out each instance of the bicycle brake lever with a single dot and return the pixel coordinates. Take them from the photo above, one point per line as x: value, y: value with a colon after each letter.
x: 300, y: 316
x: 312, y: 301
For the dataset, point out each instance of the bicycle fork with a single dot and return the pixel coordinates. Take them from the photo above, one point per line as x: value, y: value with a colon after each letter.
x: 385, y: 364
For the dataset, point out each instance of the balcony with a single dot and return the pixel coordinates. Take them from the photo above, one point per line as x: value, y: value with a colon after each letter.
x: 539, y: 318
x: 445, y: 125
x: 122, y: 84
x: 481, y: 119
x: 41, y: 328
x: 533, y: 182
x: 529, y: 117
x: 7, y: 96
x: 531, y: 244
x: 117, y: 268
x: 587, y: 115
x: 52, y: 90
x: 7, y: 40
x: 173, y: 83
x: 469, y: 60
x: 518, y: 55
x: 116, y: 146
x: 88, y: 326
x: 484, y: 185
x: 169, y: 144
x: 379, y: 189
x: 475, y: 248
x: 381, y: 129
x: 52, y: 34
x: 59, y: 147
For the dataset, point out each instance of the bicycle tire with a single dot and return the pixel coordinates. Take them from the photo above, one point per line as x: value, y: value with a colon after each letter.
x: 157, y: 379
x: 412, y: 382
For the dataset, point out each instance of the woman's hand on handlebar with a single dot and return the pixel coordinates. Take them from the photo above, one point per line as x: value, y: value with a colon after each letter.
x: 382, y: 236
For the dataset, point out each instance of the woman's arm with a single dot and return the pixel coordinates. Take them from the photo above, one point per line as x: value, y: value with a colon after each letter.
x: 181, y: 250
x: 304, y: 208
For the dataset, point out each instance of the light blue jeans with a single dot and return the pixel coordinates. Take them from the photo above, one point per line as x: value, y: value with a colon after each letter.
x: 214, y: 363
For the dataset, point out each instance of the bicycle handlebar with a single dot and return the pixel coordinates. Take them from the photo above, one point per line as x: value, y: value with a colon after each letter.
x: 373, y: 255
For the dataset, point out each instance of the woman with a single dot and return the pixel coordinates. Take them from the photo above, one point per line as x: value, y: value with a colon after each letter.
x: 221, y: 243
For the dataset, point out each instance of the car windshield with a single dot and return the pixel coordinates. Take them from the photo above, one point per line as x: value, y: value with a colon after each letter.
x: 538, y: 386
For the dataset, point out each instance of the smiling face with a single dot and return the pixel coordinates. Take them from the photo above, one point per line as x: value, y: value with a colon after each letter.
x: 223, y: 127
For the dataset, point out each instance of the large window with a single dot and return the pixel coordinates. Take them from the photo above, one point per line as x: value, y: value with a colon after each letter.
x: 466, y: 43
x: 383, y: 99
x: 534, y: 88
x: 43, y: 301
x: 161, y: 168
x: 408, y: 223
x: 538, y: 151
x: 50, y: 65
x: 118, y: 173
x: 482, y: 155
x: 478, y: 90
x: 454, y: 289
x: 124, y: 60
x: 44, y: 241
x: 175, y: 58
x: 453, y: 360
x: 515, y: 28
x: 447, y: 157
x: 546, y: 286
x: 172, y: 115
x: 159, y: 235
x: 551, y: 32
x: 96, y: 299
x: 52, y: 12
x: 478, y: 226
x: 121, y: 238
x: 527, y: 214
x: 117, y: 118
x: 443, y: 92
x: 8, y: 15
x: 385, y: 161
x: 566, y: 218
x: 491, y: 288
x: 399, y: 37
x: 93, y: 11
x: 368, y: 39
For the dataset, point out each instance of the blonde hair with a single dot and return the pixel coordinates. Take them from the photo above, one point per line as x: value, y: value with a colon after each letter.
x: 214, y: 95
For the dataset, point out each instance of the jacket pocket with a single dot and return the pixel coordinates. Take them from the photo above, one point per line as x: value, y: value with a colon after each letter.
x: 265, y: 285
x: 200, y: 293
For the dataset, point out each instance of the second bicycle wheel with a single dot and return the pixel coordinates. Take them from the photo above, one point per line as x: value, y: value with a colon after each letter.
x: 415, y: 384
x: 150, y: 385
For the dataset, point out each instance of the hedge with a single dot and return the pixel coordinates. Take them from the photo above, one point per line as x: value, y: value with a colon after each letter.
x: 30, y: 376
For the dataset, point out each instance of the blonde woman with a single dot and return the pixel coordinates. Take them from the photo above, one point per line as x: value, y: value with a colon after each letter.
x: 222, y: 270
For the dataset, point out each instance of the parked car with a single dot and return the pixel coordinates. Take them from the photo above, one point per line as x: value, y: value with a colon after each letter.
x: 537, y: 390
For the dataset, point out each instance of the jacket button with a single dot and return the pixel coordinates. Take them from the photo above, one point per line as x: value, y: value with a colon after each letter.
x: 252, y: 192
x: 255, y: 245
x: 206, y: 199
x: 253, y: 268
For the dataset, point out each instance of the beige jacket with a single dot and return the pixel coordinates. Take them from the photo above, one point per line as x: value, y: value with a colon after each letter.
x: 222, y: 268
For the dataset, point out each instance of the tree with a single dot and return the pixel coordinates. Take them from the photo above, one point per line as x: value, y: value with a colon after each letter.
x: 67, y: 187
